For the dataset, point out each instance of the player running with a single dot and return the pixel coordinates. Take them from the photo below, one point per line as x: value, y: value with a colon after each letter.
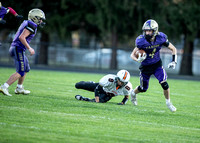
x: 109, y: 86
x: 25, y: 33
x: 151, y: 42
x: 4, y: 11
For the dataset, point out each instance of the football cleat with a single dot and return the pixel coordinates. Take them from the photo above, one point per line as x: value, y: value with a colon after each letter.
x: 4, y: 90
x: 171, y: 107
x: 21, y: 91
x: 78, y: 97
x: 134, y: 99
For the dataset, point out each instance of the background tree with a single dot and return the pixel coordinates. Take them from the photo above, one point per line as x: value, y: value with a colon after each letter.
x: 118, y: 21
x: 181, y: 18
x: 115, y: 19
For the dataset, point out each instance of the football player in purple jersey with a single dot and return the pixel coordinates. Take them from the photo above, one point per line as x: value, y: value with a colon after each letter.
x: 4, y: 11
x: 151, y: 41
x: 20, y: 44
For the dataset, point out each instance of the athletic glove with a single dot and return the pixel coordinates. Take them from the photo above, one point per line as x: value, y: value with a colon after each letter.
x: 141, y: 58
x: 120, y: 104
x: 19, y: 17
x: 172, y: 65
x: 2, y: 21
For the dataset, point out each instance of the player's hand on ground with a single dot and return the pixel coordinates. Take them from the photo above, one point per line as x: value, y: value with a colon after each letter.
x: 97, y: 99
x: 120, y: 104
x: 141, y: 58
x: 32, y: 51
x: 172, y: 65
x: 2, y: 21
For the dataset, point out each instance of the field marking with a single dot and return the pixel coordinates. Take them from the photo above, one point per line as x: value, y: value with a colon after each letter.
x: 106, y: 118
x: 20, y: 126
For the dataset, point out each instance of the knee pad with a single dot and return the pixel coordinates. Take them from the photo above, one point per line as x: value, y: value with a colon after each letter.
x: 141, y: 90
x: 165, y: 85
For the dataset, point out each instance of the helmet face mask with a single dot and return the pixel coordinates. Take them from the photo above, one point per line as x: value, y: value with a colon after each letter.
x: 37, y: 16
x: 150, y: 25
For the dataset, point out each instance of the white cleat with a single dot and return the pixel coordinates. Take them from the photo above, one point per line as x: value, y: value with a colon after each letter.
x: 21, y: 91
x: 171, y: 107
x: 78, y: 97
x: 4, y: 90
x: 134, y: 99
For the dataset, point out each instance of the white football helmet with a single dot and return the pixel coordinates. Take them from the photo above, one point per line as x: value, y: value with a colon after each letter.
x: 36, y: 15
x: 0, y: 5
x: 123, y: 76
x: 150, y: 25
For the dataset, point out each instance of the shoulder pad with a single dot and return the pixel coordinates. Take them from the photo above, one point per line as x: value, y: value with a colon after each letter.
x: 139, y: 41
x: 31, y: 26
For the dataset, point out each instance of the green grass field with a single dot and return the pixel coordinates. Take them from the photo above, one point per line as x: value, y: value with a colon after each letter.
x: 51, y: 114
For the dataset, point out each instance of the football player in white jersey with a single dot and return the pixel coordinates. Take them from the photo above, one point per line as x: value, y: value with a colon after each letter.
x: 109, y: 86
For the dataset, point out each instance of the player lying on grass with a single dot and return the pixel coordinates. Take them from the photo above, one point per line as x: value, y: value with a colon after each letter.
x: 109, y: 86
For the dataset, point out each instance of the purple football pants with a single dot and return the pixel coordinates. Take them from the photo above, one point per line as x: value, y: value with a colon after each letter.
x: 20, y: 59
x: 159, y: 73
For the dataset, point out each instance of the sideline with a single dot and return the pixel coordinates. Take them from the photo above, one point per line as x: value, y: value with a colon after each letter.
x: 101, y: 71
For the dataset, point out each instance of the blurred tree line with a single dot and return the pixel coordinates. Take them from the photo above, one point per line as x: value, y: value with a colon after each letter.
x: 114, y: 21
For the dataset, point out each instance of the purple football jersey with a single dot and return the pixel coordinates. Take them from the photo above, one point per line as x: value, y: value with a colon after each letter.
x: 151, y: 48
x: 3, y: 12
x: 29, y: 25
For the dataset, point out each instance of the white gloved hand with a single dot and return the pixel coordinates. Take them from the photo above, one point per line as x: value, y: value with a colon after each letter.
x: 172, y: 65
x: 141, y: 58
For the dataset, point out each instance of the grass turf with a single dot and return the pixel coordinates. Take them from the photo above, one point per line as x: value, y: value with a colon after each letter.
x: 52, y: 114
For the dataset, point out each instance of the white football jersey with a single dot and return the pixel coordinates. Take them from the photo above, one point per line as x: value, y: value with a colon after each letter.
x: 109, y: 85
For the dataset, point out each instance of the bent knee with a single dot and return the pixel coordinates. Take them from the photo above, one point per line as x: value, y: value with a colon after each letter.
x: 141, y: 89
x: 79, y: 84
x: 165, y: 85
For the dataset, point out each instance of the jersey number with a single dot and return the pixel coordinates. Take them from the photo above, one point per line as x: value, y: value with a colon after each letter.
x: 127, y: 87
x: 153, y: 53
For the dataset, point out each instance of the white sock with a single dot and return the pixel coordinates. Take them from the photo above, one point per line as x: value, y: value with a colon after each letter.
x: 167, y: 101
x: 133, y: 93
x: 19, y: 85
x: 6, y: 85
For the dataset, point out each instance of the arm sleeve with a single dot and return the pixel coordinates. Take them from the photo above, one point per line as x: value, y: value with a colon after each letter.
x: 166, y: 44
x: 31, y: 27
x: 125, y: 100
x: 165, y: 40
x: 12, y: 11
x: 98, y: 90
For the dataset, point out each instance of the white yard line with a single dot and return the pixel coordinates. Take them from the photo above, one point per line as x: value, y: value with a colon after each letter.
x: 99, y: 117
